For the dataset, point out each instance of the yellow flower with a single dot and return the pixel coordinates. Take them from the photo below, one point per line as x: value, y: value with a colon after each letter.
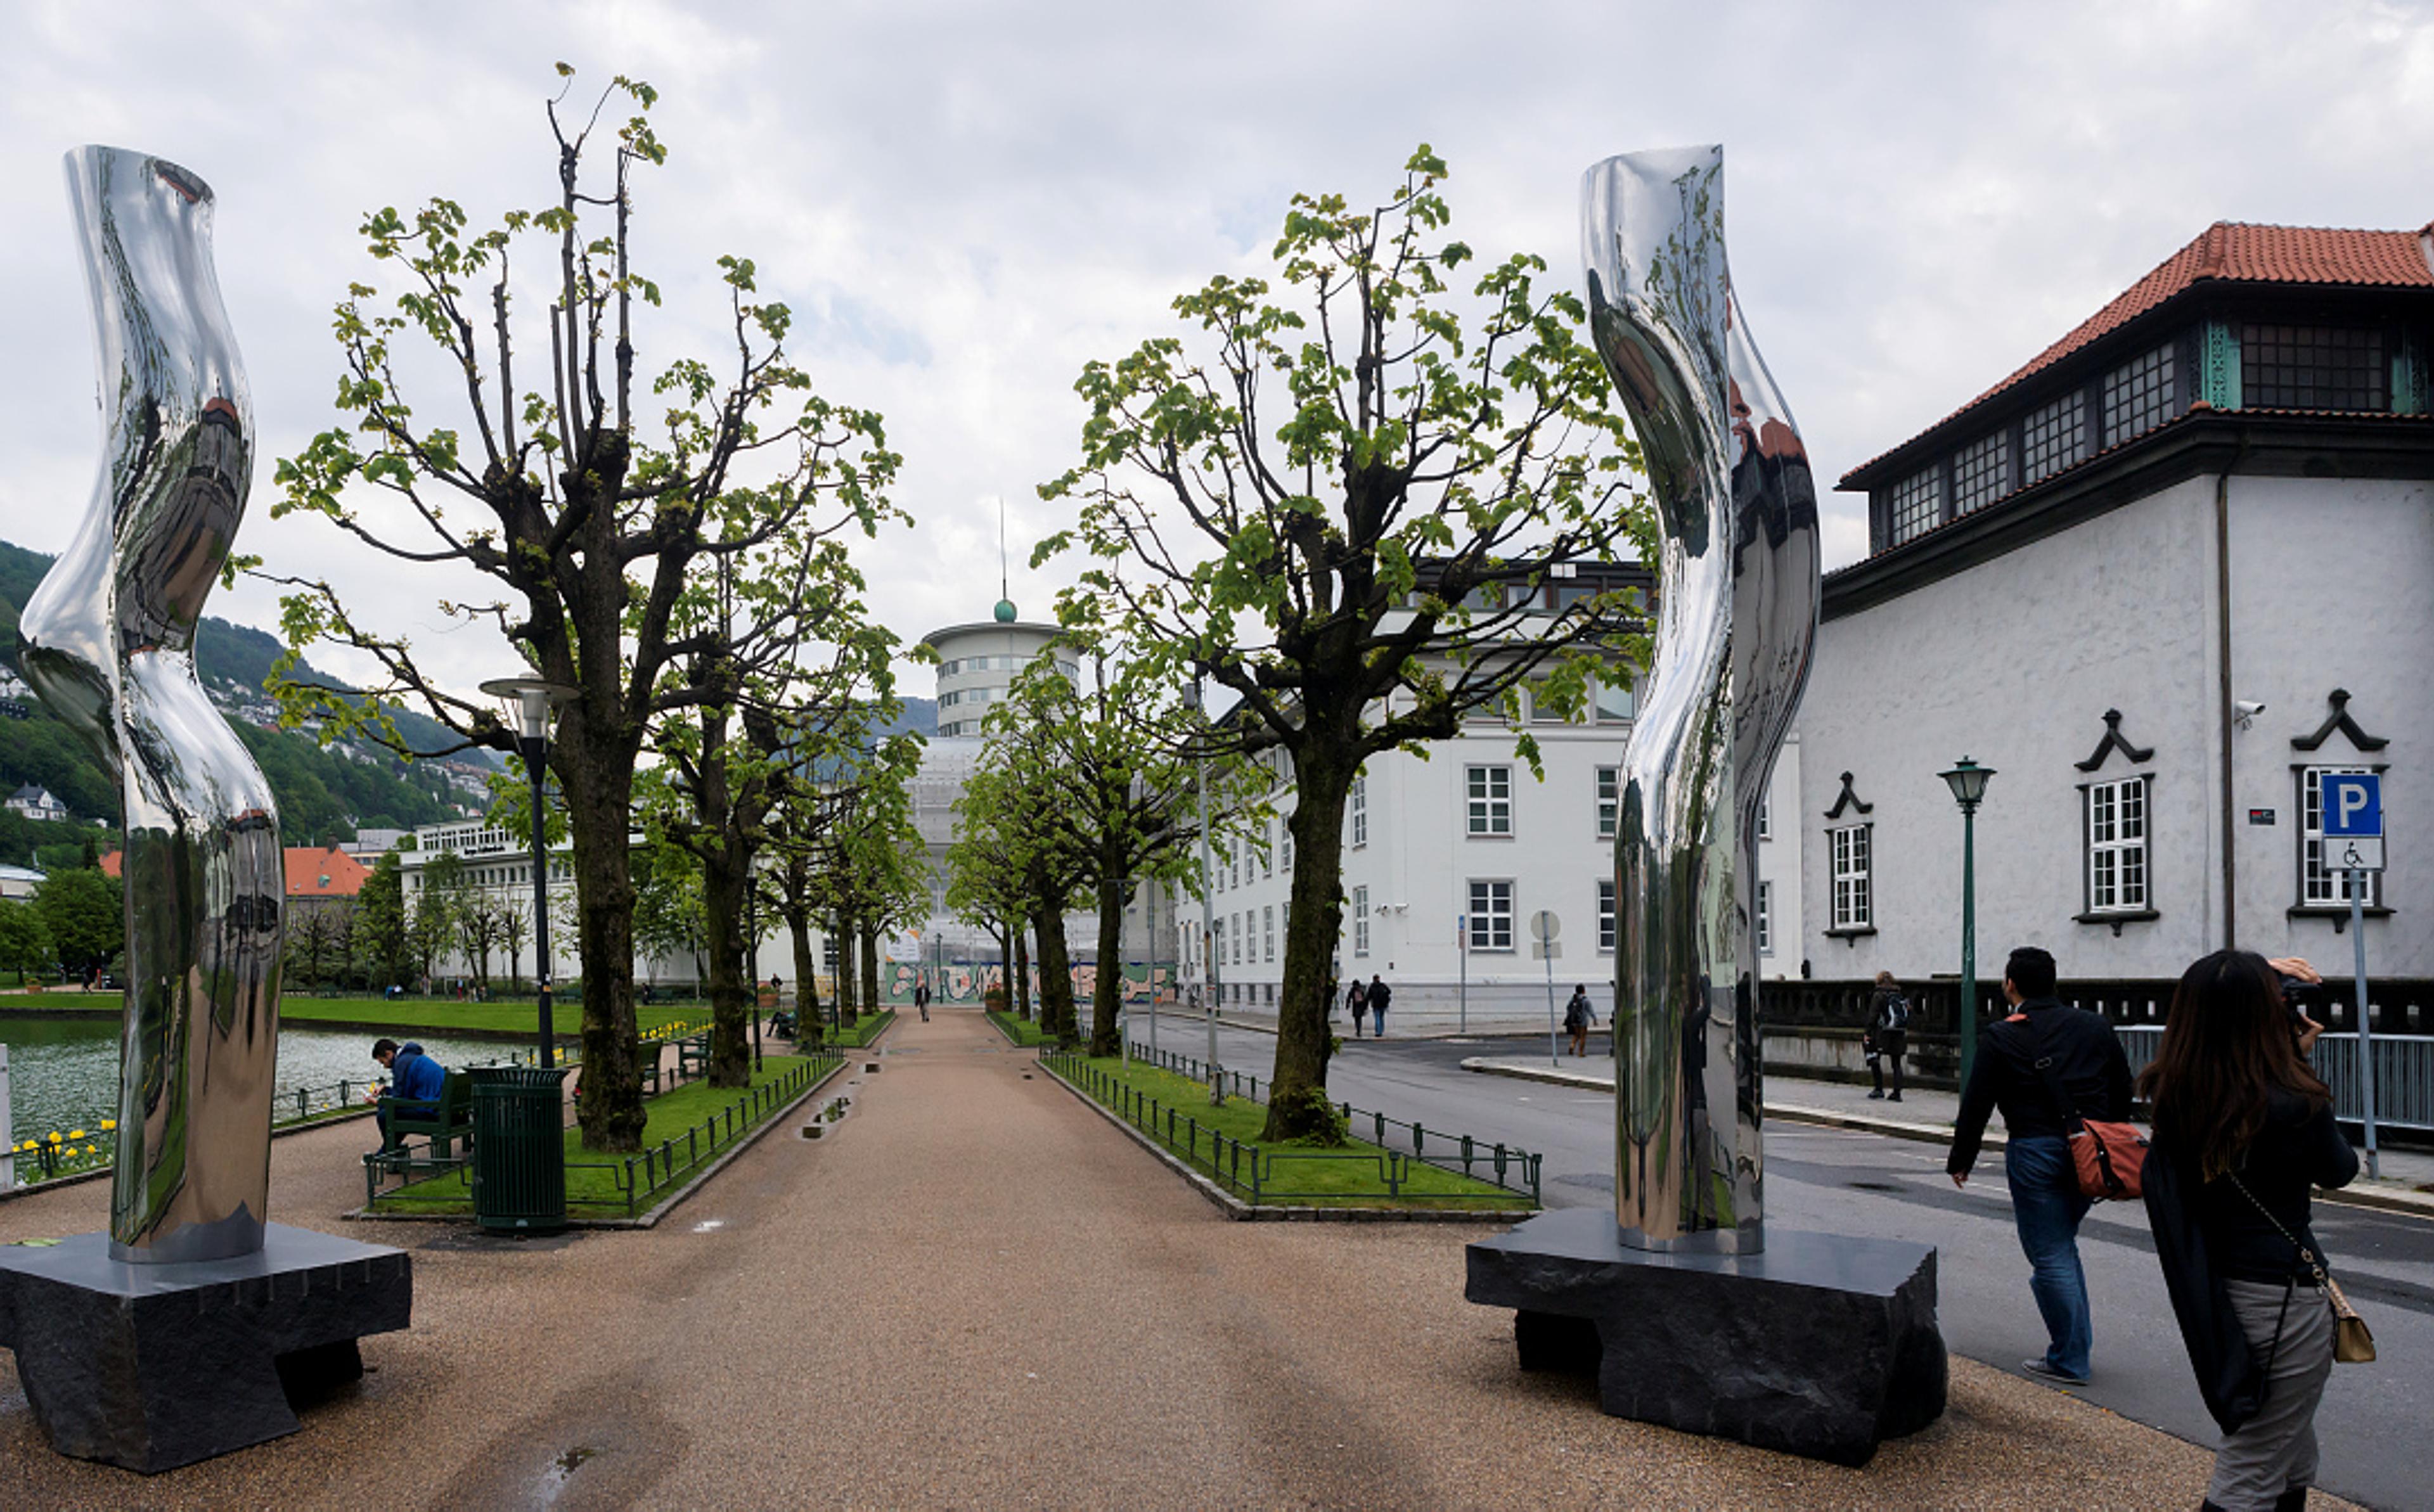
x: 75, y: 1134
x: 107, y: 1125
x: 90, y: 1150
x: 55, y: 1136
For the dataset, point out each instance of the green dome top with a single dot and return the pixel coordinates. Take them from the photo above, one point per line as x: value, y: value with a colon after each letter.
x: 1005, y: 611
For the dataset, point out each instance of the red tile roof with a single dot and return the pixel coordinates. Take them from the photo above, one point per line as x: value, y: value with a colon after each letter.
x: 312, y: 872
x: 2233, y: 251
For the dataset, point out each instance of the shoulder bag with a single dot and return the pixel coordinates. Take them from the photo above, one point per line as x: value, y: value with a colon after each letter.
x: 2352, y: 1343
x: 2110, y: 1158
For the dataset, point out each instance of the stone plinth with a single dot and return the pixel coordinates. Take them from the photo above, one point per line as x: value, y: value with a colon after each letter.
x: 1821, y: 1345
x: 153, y: 1366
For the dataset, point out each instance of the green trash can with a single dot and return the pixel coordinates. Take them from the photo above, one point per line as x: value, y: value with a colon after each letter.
x: 519, y: 1150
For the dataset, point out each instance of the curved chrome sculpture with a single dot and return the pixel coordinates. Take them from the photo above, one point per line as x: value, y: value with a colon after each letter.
x: 109, y: 642
x: 1737, y: 620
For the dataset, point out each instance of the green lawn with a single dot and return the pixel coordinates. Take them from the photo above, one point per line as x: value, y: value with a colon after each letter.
x: 859, y: 1033
x: 1023, y: 1031
x: 433, y: 1013
x: 1295, y: 1182
x: 594, y: 1180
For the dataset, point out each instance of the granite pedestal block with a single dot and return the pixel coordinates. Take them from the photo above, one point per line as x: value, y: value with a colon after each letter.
x: 153, y: 1366
x: 1821, y: 1345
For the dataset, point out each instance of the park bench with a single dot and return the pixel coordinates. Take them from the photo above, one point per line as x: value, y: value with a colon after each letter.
x: 692, y: 1055
x: 441, y: 1120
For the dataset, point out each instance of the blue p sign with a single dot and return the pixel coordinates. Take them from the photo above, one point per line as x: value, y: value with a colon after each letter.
x: 2353, y: 804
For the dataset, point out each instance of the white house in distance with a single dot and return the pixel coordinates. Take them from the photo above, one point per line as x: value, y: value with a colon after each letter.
x: 2161, y: 578
x: 37, y: 802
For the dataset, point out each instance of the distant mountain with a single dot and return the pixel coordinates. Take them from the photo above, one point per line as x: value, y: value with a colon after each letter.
x: 920, y: 716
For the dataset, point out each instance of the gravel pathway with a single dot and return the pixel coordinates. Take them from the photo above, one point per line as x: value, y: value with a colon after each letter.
x: 978, y: 1293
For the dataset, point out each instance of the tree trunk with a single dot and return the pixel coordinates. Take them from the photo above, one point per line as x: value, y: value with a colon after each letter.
x: 1106, y: 991
x: 844, y: 938
x: 1313, y: 925
x: 1055, y: 977
x: 870, y: 967
x: 806, y: 984
x: 726, y: 876
x: 600, y: 814
x: 1021, y: 984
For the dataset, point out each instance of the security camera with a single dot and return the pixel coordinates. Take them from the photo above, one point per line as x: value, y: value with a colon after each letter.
x: 2245, y: 712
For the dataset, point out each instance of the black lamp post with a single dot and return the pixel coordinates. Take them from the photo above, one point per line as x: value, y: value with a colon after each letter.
x: 1967, y: 780
x: 527, y: 702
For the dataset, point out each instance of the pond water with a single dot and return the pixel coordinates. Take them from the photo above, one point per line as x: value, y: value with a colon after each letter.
x: 63, y: 1073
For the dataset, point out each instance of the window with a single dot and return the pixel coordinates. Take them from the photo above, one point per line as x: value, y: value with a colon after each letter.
x: 1609, y: 784
x: 1605, y: 915
x: 1491, y: 916
x: 1491, y: 800
x: 1360, y: 812
x: 1361, y: 921
x: 1233, y: 864
x: 2138, y: 396
x: 1982, y: 473
x: 829, y: 952
x: 1616, y: 705
x: 2055, y: 437
x: 1765, y: 929
x: 1916, y: 504
x: 2116, y: 846
x: 1234, y: 928
x: 1854, y: 903
x: 1766, y: 819
x: 2322, y: 887
x: 1217, y: 940
x: 1268, y: 931
x: 1268, y: 852
x: 1288, y: 850
x: 2313, y: 368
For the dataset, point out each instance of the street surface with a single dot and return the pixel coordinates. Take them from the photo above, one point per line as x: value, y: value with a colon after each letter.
x: 2374, y: 1424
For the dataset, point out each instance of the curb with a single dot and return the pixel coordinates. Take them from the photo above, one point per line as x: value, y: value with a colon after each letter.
x: 2402, y: 1202
x: 1242, y: 1212
x: 641, y: 1220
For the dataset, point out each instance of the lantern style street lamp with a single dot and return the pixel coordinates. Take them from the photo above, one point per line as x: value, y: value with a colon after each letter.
x: 526, y: 703
x: 1967, y: 780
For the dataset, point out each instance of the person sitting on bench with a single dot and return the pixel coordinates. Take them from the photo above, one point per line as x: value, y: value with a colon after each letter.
x: 414, y: 1077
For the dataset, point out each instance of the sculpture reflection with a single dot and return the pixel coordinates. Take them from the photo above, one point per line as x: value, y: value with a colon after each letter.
x: 1737, y: 619
x: 109, y: 644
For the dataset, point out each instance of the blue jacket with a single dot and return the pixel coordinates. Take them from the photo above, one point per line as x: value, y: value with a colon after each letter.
x: 415, y: 1076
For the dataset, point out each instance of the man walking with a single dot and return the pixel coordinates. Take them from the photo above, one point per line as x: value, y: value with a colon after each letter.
x: 1379, y: 996
x: 1577, y: 1016
x: 1356, y: 998
x: 2020, y: 1061
x: 922, y: 999
x: 1887, y: 1034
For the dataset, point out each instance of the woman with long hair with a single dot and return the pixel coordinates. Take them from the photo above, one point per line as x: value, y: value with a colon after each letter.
x: 2243, y: 1127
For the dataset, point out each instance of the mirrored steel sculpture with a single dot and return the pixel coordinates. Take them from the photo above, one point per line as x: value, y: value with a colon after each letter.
x: 1737, y: 620
x: 108, y: 643
x: 1689, y: 1312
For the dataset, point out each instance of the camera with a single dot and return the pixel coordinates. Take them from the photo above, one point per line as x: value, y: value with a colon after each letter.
x: 2299, y: 997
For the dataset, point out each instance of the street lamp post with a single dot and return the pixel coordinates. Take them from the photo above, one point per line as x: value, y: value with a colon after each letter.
x: 1967, y: 780
x: 1207, y: 911
x: 527, y: 702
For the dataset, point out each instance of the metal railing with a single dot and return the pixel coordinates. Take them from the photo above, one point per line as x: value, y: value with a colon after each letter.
x: 1252, y: 1169
x: 2404, y: 1072
x: 682, y: 1152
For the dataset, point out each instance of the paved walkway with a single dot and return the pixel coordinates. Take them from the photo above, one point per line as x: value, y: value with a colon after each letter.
x: 979, y: 1294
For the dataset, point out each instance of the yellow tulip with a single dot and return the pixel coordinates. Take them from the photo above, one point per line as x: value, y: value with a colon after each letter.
x: 75, y: 1134
x: 90, y: 1150
x: 55, y: 1136
x: 107, y: 1125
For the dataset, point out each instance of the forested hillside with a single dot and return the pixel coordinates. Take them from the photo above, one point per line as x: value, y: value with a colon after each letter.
x: 323, y: 795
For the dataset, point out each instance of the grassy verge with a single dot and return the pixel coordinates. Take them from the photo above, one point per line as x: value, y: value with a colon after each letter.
x: 594, y: 1180
x: 438, y: 1015
x: 1023, y: 1031
x: 1295, y: 1182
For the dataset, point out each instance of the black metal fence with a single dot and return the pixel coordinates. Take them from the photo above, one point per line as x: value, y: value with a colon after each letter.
x: 1252, y: 1169
x: 681, y: 1153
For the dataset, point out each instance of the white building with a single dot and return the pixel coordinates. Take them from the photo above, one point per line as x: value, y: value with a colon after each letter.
x: 37, y: 802
x: 2161, y: 578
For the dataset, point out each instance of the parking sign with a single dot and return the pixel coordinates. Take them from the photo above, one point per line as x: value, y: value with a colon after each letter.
x: 2353, y: 804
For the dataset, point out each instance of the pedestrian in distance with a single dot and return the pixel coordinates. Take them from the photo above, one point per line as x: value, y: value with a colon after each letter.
x: 2243, y: 1128
x: 922, y: 999
x: 1356, y: 998
x: 1577, y: 1016
x: 1379, y: 996
x: 2043, y: 1053
x: 1887, y: 1034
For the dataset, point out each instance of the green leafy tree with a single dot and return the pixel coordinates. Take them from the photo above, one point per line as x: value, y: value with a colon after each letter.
x: 379, y: 931
x: 433, y: 923
x: 1347, y: 499
x: 589, y: 520
x: 24, y: 940
x: 84, y: 912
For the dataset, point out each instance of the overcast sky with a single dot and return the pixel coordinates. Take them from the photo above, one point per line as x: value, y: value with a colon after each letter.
x: 966, y: 203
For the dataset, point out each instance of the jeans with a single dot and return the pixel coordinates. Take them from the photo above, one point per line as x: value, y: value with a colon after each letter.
x: 2047, y: 1205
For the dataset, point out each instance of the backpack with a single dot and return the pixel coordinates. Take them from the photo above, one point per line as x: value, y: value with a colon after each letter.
x: 1896, y: 1013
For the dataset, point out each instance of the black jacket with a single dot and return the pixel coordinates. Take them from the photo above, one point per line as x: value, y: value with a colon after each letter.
x: 2085, y: 1053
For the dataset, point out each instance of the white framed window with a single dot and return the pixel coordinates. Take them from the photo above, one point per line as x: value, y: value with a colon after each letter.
x: 1617, y: 704
x: 1234, y: 931
x: 2116, y: 845
x: 1765, y: 929
x: 1490, y: 791
x: 1853, y: 851
x: 1217, y: 943
x: 1361, y: 921
x: 1766, y: 819
x: 1268, y: 852
x: 2322, y: 887
x: 1491, y: 915
x: 1360, y: 812
x: 1234, y: 864
x: 1605, y: 915
x: 1268, y: 931
x: 1610, y: 801
x: 1287, y: 863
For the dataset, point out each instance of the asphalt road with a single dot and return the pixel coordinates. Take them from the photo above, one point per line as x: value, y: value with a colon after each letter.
x: 2375, y: 1420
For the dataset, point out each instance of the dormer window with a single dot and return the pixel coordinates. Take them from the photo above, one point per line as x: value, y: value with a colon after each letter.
x: 2055, y: 437
x: 1982, y: 473
x: 2139, y: 395
x: 1917, y: 504
x: 2313, y: 368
